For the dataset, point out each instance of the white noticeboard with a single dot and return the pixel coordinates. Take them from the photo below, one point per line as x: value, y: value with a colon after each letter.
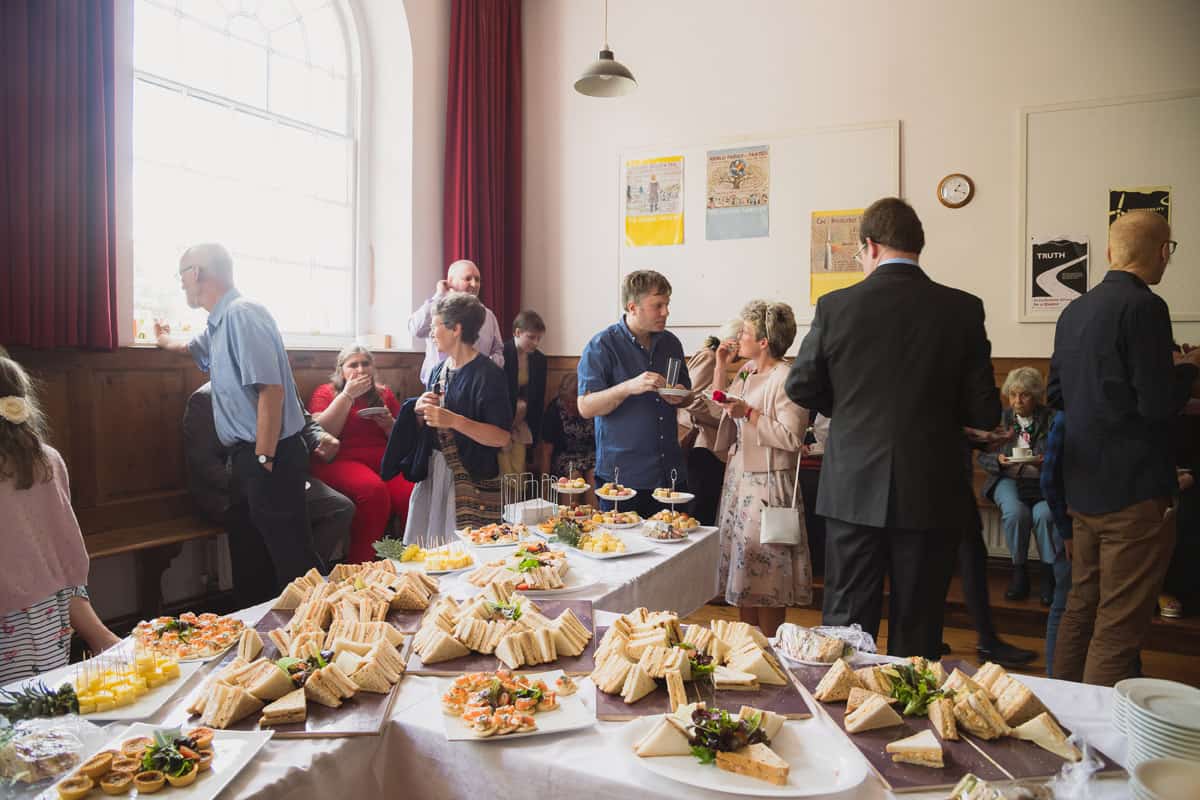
x: 1074, y: 154
x: 811, y: 170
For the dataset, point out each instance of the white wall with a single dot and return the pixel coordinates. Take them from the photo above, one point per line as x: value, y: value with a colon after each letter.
x: 955, y: 73
x: 407, y: 54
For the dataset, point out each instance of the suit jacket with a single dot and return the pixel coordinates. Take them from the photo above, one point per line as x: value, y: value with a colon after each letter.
x: 210, y: 479
x: 900, y: 365
x: 535, y: 393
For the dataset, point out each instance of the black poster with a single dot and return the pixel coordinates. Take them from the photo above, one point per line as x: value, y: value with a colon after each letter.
x: 1060, y: 273
x: 1155, y: 198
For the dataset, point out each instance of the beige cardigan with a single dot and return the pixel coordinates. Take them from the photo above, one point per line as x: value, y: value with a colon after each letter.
x: 780, y: 428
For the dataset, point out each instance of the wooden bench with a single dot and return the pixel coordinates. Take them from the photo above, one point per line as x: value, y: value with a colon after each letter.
x: 154, y: 546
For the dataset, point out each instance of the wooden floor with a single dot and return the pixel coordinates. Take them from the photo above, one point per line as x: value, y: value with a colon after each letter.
x: 1155, y: 663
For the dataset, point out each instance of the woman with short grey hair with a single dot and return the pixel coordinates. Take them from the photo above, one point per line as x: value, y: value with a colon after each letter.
x: 1014, y: 480
x: 764, y: 430
x: 467, y: 404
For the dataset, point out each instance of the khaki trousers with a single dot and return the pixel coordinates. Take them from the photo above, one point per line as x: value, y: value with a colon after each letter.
x: 1119, y: 562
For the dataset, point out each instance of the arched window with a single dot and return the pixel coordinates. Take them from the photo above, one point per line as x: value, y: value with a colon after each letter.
x: 244, y: 133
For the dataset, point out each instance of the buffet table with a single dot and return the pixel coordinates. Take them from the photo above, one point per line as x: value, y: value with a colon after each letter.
x: 413, y: 758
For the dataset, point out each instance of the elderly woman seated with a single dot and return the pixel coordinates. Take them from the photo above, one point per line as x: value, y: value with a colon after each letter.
x: 1014, y: 480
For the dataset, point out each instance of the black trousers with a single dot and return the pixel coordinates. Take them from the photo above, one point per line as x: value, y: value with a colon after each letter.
x: 706, y: 475
x: 918, y: 564
x: 277, y: 506
x: 810, y: 482
x: 972, y: 566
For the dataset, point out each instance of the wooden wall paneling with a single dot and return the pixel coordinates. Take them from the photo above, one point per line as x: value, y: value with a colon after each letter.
x: 131, y: 411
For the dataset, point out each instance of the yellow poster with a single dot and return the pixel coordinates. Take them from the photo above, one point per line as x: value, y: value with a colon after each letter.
x: 833, y: 246
x: 654, y: 201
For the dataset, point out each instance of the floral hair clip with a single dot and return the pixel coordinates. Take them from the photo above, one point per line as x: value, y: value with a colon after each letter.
x: 14, y: 409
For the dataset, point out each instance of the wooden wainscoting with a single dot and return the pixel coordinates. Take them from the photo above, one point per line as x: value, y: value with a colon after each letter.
x: 116, y: 416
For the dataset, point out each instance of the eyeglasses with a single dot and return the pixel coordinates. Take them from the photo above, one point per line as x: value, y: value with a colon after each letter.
x: 858, y: 256
x: 1171, y: 245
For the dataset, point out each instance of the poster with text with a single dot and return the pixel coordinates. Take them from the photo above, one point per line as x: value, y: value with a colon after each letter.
x: 1155, y: 198
x: 834, y: 243
x: 1058, y: 272
x: 738, y: 188
x: 654, y: 201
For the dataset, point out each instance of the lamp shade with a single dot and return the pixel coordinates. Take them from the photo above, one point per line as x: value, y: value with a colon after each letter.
x: 606, y: 77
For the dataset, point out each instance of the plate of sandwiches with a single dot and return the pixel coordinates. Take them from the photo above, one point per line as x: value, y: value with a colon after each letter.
x: 510, y: 627
x: 988, y: 705
x: 767, y: 758
x: 502, y: 705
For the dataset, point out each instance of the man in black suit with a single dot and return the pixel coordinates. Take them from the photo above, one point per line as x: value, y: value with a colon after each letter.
x: 900, y: 365
x: 211, y: 485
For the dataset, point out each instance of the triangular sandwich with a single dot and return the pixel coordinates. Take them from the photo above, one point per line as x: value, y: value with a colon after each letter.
x: 768, y: 721
x: 858, y: 696
x: 836, y: 684
x: 922, y: 749
x: 664, y: 739
x: 941, y: 717
x: 637, y: 685
x: 1017, y: 704
x: 729, y: 678
x: 250, y: 644
x: 1043, y: 731
x: 290, y: 709
x: 756, y: 761
x: 872, y: 714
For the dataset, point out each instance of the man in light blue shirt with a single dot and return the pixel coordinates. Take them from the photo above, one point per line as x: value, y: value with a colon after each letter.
x: 255, y: 406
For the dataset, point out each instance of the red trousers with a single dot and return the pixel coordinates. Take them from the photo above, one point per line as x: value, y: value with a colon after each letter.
x: 355, y: 473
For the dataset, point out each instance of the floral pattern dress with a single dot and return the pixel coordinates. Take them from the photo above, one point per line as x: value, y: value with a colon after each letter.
x: 751, y: 573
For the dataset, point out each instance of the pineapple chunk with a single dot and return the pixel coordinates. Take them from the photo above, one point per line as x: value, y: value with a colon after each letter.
x: 169, y: 669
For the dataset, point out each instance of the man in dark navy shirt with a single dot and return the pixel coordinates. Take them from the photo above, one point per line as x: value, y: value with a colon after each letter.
x: 1114, y: 375
x: 620, y: 372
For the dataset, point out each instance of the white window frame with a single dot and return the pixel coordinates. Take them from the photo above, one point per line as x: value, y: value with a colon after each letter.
x: 357, y: 88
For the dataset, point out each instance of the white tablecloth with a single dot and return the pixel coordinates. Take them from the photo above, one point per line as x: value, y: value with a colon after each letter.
x: 681, y: 577
x: 413, y: 759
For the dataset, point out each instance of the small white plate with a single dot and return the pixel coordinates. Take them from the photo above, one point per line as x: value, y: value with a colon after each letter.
x: 623, y: 526
x: 575, y: 581
x: 669, y: 392
x: 1175, y: 706
x: 819, y: 764
x: 146, y: 705
x: 665, y: 541
x: 633, y: 547
x: 467, y: 541
x: 684, y: 497
x: 1022, y: 459
x: 571, y: 715
x: 419, y: 566
x: 612, y: 498
x: 232, y: 751
x: 569, y: 489
x: 373, y: 411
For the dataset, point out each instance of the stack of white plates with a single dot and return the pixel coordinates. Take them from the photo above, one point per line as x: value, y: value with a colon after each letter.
x: 1161, y: 720
x: 1121, y: 697
x: 1164, y: 779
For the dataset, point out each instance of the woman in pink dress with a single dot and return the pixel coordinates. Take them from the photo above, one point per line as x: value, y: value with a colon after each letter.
x: 360, y: 413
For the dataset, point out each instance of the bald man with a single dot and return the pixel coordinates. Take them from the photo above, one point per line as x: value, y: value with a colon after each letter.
x: 462, y: 276
x: 1114, y: 375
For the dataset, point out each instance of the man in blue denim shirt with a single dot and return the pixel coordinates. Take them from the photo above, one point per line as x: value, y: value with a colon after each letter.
x: 620, y: 372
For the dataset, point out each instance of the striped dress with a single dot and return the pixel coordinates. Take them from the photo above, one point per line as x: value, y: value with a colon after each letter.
x: 38, y: 638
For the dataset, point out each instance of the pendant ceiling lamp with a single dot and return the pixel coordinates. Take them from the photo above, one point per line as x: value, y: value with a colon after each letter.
x: 606, y: 77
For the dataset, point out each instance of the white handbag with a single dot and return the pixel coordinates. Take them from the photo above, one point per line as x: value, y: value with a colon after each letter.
x: 781, y: 525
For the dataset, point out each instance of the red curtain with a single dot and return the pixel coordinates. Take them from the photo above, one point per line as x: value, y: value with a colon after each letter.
x: 57, y: 215
x: 482, y: 215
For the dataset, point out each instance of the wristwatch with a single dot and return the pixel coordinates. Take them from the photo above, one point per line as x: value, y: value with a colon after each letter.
x: 266, y: 459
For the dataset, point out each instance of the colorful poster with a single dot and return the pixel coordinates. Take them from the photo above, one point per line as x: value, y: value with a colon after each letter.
x: 1058, y: 272
x: 833, y: 245
x: 654, y: 201
x: 738, y: 188
x: 1155, y: 198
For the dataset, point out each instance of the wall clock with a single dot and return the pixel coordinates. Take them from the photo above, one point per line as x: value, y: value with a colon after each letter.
x: 955, y: 190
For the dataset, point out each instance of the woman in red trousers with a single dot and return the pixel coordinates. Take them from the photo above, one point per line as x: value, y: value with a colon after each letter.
x: 360, y: 413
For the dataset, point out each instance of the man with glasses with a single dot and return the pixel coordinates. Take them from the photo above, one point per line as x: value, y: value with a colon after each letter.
x: 900, y: 365
x: 255, y: 407
x: 1114, y: 375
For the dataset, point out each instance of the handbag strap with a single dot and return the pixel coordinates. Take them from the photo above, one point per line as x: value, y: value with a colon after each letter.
x: 771, y: 470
